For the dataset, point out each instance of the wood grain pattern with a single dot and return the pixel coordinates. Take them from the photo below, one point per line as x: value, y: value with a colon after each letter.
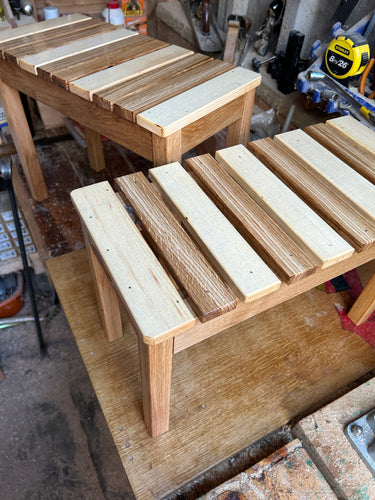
x: 232, y: 257
x: 336, y: 210
x: 97, y: 59
x: 320, y: 162
x: 94, y: 149
x: 43, y: 26
x: 169, y: 86
x: 209, y: 295
x: 301, y: 223
x: 114, y: 78
x: 148, y: 294
x: 149, y: 78
x: 364, y: 306
x: 12, y: 105
x: 336, y: 141
x: 240, y: 385
x: 179, y: 111
x: 275, y: 247
x: 95, y: 37
x: 355, y: 133
x: 33, y: 44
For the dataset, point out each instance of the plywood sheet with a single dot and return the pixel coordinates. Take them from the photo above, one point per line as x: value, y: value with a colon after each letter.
x: 238, y: 385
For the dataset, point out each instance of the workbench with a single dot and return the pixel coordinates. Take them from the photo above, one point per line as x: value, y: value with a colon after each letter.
x: 156, y: 99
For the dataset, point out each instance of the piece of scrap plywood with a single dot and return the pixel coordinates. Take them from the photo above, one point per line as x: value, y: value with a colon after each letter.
x: 322, y: 434
x: 287, y: 473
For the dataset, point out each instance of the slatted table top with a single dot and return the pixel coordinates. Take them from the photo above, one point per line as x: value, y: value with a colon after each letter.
x: 223, y: 233
x: 159, y: 86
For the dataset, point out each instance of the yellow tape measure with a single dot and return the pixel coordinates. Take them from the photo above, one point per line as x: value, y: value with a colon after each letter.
x: 347, y: 56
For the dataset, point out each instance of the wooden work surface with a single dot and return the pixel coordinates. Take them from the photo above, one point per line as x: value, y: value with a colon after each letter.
x: 227, y: 392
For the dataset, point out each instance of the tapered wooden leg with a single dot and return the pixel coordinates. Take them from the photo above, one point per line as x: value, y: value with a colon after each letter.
x: 166, y: 149
x: 11, y: 103
x: 364, y: 306
x: 94, y: 149
x: 238, y: 132
x: 156, y: 370
x: 108, y: 302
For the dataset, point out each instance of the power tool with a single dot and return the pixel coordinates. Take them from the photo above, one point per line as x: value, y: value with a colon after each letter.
x: 346, y: 57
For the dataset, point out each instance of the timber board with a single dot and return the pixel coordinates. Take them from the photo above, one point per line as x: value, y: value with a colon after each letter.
x: 239, y: 386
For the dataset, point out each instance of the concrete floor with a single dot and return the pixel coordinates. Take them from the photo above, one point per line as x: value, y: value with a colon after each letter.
x: 55, y: 443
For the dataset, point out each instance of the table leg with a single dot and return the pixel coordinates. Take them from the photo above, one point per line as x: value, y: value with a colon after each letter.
x: 156, y: 370
x: 11, y: 103
x: 238, y: 132
x: 94, y: 149
x: 166, y: 149
x: 364, y: 306
x: 108, y: 302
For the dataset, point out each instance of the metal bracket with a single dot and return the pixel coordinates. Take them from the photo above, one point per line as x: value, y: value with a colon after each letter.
x: 361, y: 435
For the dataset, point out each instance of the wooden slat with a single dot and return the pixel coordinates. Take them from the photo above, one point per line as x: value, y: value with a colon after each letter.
x: 277, y: 249
x: 233, y: 258
x: 170, y: 86
x: 355, y: 133
x: 191, y: 269
x: 341, y: 215
x: 183, y: 109
x: 41, y: 27
x: 154, y: 77
x: 329, y: 169
x: 302, y: 224
x: 99, y: 37
x: 21, y: 47
x: 70, y: 68
x: 336, y: 141
x: 150, y: 297
x: 102, y: 80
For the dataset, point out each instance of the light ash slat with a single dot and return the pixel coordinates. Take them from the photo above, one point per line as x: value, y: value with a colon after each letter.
x: 335, y: 140
x: 151, y: 299
x: 277, y: 249
x: 327, y: 166
x: 228, y: 251
x: 31, y: 63
x: 357, y: 230
x: 174, y: 84
x: 299, y: 221
x: 210, y: 296
x: 41, y: 27
x: 175, y: 113
x: 87, y: 86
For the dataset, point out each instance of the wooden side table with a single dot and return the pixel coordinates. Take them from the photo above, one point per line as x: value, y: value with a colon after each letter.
x: 218, y: 242
x: 155, y: 99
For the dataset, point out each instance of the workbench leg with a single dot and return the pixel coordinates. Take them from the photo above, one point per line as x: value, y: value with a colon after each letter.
x: 108, y: 302
x: 238, y: 132
x: 11, y: 103
x: 166, y: 149
x: 94, y: 149
x: 156, y: 371
x: 364, y: 306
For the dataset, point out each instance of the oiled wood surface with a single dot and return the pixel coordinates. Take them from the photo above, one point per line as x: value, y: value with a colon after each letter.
x: 279, y: 251
x: 208, y: 293
x: 336, y: 141
x: 239, y: 385
x: 98, y: 59
x: 357, y: 229
x: 228, y: 251
x: 153, y: 301
x: 295, y: 217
